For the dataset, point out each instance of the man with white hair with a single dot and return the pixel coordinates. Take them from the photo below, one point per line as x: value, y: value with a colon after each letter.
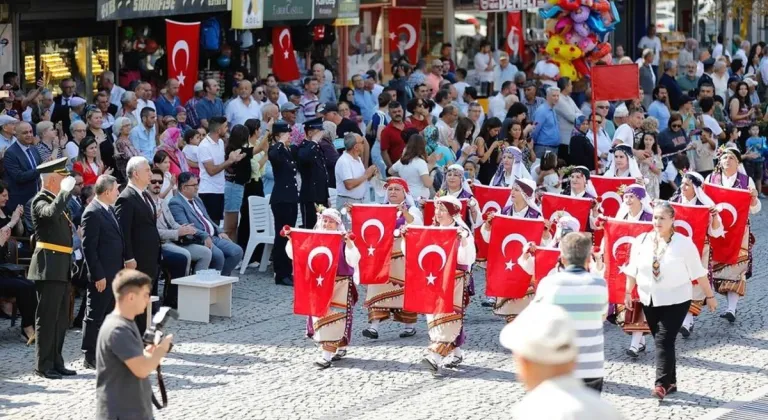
x: 668, y: 80
x: 78, y: 130
x: 327, y: 93
x: 546, y: 134
x: 505, y: 71
x: 351, y: 175
x: 129, y: 103
x: 143, y: 92
x: 243, y: 107
x: 115, y: 91
x: 543, y: 343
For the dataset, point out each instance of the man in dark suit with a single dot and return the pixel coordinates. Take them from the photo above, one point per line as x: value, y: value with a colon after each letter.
x: 137, y: 216
x: 314, y: 173
x: 20, y: 162
x: 50, y: 267
x: 284, y: 199
x: 76, y: 207
x: 104, y: 257
x: 61, y: 103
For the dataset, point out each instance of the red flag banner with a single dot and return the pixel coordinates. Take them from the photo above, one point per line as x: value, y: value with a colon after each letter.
x: 608, y: 191
x: 430, y: 267
x: 734, y: 212
x: 554, y: 206
x: 693, y: 222
x: 373, y: 226
x: 610, y: 83
x: 315, y: 259
x: 183, y: 49
x: 546, y: 260
x: 283, y: 56
x: 515, y: 39
x: 504, y: 278
x: 428, y: 211
x: 488, y: 199
x: 404, y: 30
x: 619, y: 235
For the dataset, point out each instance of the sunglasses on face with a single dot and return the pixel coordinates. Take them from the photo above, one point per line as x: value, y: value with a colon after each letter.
x: 677, y: 125
x: 156, y: 182
x: 602, y: 107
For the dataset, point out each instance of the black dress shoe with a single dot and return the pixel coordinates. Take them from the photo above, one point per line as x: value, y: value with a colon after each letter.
x: 685, y: 332
x: 408, y: 332
x: 730, y: 316
x: 65, y: 372
x: 370, y: 333
x: 89, y: 364
x: 285, y: 281
x: 48, y: 374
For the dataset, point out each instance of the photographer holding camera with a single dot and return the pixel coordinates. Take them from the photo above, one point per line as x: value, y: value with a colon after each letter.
x: 123, y: 364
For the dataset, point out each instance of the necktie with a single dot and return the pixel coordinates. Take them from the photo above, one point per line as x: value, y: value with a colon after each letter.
x: 114, y: 217
x: 66, y: 101
x: 201, y: 217
x: 31, y: 158
x: 148, y: 201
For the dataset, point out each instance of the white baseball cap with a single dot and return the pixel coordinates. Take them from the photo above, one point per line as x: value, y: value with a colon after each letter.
x: 542, y: 333
x: 198, y: 86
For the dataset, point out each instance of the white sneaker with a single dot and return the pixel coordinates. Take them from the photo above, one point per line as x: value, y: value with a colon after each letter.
x: 254, y: 265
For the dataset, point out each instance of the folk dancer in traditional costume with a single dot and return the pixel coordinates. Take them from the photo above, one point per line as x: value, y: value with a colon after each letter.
x: 731, y: 279
x: 446, y: 331
x: 624, y: 165
x: 565, y: 225
x: 511, y: 168
x: 690, y: 192
x: 333, y: 331
x: 385, y: 300
x: 580, y: 186
x: 521, y: 203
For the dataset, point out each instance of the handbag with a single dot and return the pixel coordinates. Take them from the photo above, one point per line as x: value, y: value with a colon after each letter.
x: 189, y: 240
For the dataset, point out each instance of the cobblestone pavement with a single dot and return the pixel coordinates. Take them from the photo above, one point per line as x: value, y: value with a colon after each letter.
x: 257, y: 365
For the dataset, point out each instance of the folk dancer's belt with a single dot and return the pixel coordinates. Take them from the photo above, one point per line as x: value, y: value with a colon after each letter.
x: 54, y: 247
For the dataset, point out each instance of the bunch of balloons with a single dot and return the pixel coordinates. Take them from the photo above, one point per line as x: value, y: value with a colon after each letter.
x: 577, y: 32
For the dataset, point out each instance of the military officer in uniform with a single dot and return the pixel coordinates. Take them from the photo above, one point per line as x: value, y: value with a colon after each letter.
x: 285, y: 197
x: 314, y: 173
x: 50, y: 266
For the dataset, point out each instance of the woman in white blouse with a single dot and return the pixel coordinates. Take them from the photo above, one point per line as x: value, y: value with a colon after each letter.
x: 663, y: 265
x: 415, y: 166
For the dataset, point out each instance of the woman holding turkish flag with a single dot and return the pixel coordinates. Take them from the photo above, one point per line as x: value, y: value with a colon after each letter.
x: 624, y: 165
x: 455, y: 185
x: 446, y: 331
x: 333, y: 331
x: 580, y: 186
x: 731, y: 279
x: 691, y: 193
x: 511, y: 168
x: 385, y: 300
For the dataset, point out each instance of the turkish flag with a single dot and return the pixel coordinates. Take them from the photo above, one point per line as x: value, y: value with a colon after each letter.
x: 504, y: 278
x: 430, y: 269
x: 488, y: 199
x: 404, y: 30
x: 283, y: 57
x: 546, y: 260
x: 554, y: 206
x: 734, y: 205
x: 182, y: 49
x: 693, y: 222
x: 315, y: 259
x: 619, y: 235
x: 373, y: 226
x: 608, y: 191
x: 515, y: 44
x: 610, y: 83
x: 429, y: 210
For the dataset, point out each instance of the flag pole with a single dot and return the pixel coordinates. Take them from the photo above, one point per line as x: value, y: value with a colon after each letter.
x: 594, y: 134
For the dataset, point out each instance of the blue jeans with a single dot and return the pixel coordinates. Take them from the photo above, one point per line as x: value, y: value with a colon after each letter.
x: 540, y: 150
x: 226, y: 255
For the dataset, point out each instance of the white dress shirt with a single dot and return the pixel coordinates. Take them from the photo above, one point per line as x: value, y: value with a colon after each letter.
x: 496, y: 107
x: 237, y: 111
x: 349, y: 167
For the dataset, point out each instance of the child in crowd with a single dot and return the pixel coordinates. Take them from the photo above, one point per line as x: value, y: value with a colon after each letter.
x: 651, y: 166
x: 754, y: 159
x: 546, y: 173
x: 673, y: 174
x: 470, y: 173
x: 732, y: 136
x: 192, y: 139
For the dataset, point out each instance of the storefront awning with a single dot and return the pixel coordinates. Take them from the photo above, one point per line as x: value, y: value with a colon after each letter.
x: 135, y: 9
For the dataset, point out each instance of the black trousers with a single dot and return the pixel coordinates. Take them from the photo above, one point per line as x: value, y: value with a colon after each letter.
x: 309, y: 213
x: 284, y: 214
x: 175, y: 266
x: 594, y: 383
x: 26, y: 300
x: 252, y: 188
x: 665, y: 323
x: 51, y: 323
x: 214, y: 205
x: 98, y: 305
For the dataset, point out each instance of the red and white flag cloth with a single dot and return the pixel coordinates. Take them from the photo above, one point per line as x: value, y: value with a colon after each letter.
x: 619, y: 235
x: 608, y: 192
x: 489, y: 199
x: 404, y: 31
x: 734, y: 212
x: 284, y: 64
x: 429, y: 210
x: 374, y: 226
x: 693, y: 222
x: 553, y: 206
x: 315, y: 260
x: 546, y: 260
x: 430, y: 269
x: 503, y: 276
x: 515, y: 39
x: 182, y: 52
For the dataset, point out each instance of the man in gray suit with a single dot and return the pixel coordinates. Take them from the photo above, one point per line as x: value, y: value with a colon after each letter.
x: 647, y: 78
x: 187, y: 208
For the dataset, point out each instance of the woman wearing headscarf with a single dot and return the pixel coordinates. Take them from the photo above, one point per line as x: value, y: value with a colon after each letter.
x: 510, y: 169
x: 171, y: 141
x: 691, y: 193
x: 624, y: 164
x: 446, y: 331
x: 455, y: 185
x: 581, y: 152
x: 731, y: 279
x: 431, y: 136
x: 580, y: 186
x: 333, y: 331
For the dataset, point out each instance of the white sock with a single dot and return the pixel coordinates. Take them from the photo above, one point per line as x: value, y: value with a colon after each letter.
x: 636, y: 339
x: 410, y: 326
x: 327, y: 355
x: 642, y: 339
x: 457, y: 352
x: 438, y: 359
x: 374, y: 325
x: 688, y: 321
x: 733, y: 300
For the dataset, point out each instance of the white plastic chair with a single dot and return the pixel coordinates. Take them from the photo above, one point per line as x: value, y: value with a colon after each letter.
x: 332, y: 194
x: 262, y: 231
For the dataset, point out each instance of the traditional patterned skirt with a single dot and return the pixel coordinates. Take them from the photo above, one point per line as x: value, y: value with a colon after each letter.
x: 697, y: 299
x: 632, y: 320
x: 511, y: 308
x: 383, y: 300
x: 334, y: 330
x: 446, y: 331
x: 733, y: 277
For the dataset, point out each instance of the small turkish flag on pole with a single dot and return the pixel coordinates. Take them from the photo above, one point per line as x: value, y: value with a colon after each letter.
x: 283, y: 57
x: 489, y: 199
x: 734, y: 212
x: 693, y: 222
x: 315, y: 259
x: 182, y: 52
x: 374, y: 227
x: 430, y: 269
x: 619, y: 235
x: 504, y: 277
x: 404, y: 29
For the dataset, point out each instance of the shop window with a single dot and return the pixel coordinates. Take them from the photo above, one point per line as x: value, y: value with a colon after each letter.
x: 469, y: 30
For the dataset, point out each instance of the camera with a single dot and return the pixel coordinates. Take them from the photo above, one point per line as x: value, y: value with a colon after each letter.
x: 154, y: 334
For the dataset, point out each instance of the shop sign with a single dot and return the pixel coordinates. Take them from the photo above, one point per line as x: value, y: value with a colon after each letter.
x: 134, y: 9
x: 510, y: 5
x: 288, y: 10
x: 247, y: 14
x: 349, y: 13
x: 325, y: 9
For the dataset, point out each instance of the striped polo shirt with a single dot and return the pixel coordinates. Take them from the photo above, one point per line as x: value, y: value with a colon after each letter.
x: 585, y: 297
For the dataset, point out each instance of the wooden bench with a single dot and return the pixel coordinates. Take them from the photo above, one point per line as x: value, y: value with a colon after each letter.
x: 202, y: 296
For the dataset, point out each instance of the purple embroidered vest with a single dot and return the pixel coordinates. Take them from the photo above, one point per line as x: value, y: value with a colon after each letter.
x: 344, y: 269
x: 644, y: 217
x: 530, y: 214
x: 742, y: 180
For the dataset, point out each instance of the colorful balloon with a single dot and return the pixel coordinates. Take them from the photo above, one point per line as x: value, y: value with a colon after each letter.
x: 550, y: 13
